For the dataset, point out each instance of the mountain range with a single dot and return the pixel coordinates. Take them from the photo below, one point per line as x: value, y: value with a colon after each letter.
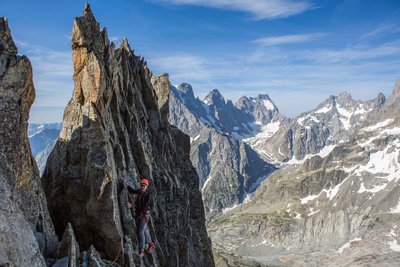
x: 320, y: 189
x: 331, y: 185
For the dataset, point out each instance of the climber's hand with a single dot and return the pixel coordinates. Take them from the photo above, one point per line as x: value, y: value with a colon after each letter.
x: 129, y: 205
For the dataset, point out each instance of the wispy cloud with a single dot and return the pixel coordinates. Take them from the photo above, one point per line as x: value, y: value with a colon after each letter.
x: 259, y: 9
x: 297, y: 81
x: 382, y: 30
x: 183, y: 66
x: 115, y: 38
x: 52, y: 75
x: 288, y: 39
x: 352, y: 53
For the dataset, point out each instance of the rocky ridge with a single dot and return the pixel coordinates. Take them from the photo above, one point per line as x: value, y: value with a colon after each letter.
x: 115, y: 129
x: 27, y: 233
x: 318, y: 131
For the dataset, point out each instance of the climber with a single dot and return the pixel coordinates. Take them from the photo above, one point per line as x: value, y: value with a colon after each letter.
x: 143, y: 207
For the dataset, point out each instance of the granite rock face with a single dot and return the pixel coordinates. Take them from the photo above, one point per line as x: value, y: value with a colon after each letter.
x: 116, y: 129
x: 26, y: 229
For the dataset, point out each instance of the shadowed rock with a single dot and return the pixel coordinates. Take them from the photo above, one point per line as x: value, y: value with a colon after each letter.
x: 25, y: 226
x: 116, y: 128
x: 69, y: 247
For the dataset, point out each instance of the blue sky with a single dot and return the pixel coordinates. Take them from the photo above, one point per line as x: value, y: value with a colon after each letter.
x: 298, y: 52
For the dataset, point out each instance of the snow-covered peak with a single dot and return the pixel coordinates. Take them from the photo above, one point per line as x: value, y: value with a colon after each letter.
x: 34, y: 128
x: 263, y: 101
x: 342, y: 109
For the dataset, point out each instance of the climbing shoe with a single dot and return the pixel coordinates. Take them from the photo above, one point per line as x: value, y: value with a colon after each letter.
x: 151, y: 246
x: 141, y: 254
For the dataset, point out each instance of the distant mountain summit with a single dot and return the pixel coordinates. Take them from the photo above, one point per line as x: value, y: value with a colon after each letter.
x: 261, y: 108
x: 42, y: 137
x: 229, y: 169
x: 242, y: 120
x: 319, y: 130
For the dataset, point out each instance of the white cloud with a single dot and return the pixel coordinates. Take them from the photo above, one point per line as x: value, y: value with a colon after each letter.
x: 115, y: 38
x: 260, y: 9
x: 382, y: 30
x: 297, y: 81
x: 185, y: 67
x: 288, y: 39
x: 353, y: 53
x: 52, y: 77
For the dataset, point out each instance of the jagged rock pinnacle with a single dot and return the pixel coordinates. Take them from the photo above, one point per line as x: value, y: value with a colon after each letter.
x: 125, y: 45
x: 215, y: 97
x: 7, y: 45
x: 87, y: 11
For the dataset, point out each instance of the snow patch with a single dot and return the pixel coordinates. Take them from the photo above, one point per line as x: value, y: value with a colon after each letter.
x: 268, y: 104
x: 361, y: 110
x: 394, y: 245
x: 262, y: 134
x: 301, y: 120
x: 323, y: 153
x: 392, y: 131
x: 382, y: 162
x: 344, y: 117
x: 396, y: 209
x: 330, y: 193
x: 347, y: 245
x: 378, y: 125
x: 229, y: 208
x: 312, y: 212
x: 309, y: 198
x: 324, y: 109
x: 205, y: 183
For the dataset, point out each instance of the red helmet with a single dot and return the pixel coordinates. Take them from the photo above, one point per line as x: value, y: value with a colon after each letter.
x: 144, y: 181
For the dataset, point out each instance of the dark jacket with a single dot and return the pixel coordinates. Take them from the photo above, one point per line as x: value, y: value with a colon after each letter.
x: 143, y: 203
